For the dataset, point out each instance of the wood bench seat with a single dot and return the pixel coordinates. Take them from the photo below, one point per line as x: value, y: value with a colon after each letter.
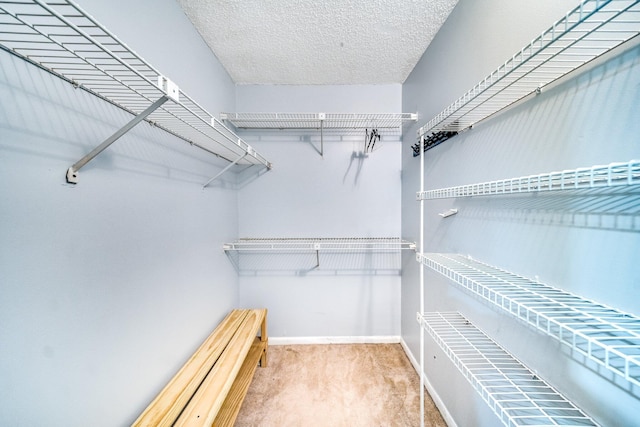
x: 209, y: 389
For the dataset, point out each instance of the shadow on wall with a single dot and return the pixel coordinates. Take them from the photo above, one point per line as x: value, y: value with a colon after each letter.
x: 614, y: 209
x: 358, y: 158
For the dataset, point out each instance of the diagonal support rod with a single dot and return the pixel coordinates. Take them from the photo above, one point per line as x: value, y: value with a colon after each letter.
x: 229, y: 166
x: 72, y: 172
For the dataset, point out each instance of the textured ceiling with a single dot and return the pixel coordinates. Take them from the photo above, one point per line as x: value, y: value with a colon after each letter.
x: 318, y: 42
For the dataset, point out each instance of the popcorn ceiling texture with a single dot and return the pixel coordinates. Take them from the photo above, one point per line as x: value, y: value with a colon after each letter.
x: 305, y: 42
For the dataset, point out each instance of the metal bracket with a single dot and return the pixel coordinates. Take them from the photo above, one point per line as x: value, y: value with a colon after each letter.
x: 229, y: 166
x: 322, y: 117
x: 170, y: 88
x: 316, y: 246
x: 72, y: 172
x: 448, y: 213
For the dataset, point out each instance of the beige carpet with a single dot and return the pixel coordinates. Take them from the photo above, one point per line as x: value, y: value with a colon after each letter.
x: 336, y: 385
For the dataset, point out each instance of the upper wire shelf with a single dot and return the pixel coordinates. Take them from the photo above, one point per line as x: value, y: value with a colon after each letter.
x: 603, y: 334
x: 325, y: 121
x: 591, y: 29
x: 61, y: 38
x: 600, y: 176
x: 515, y: 394
x: 320, y: 243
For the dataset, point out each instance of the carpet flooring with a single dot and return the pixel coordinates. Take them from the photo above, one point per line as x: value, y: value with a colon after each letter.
x: 336, y: 385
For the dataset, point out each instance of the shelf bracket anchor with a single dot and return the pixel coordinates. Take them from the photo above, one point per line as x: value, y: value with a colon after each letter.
x: 229, y: 166
x: 448, y: 213
x: 322, y: 117
x: 316, y: 246
x: 72, y: 172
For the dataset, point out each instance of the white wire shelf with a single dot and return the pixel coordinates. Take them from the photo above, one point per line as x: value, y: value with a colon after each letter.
x: 514, y: 393
x: 607, y: 336
x: 320, y: 244
x: 325, y: 121
x: 590, y: 30
x: 59, y: 37
x: 602, y: 176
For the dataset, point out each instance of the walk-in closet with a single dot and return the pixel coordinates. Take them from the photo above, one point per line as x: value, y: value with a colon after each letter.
x: 299, y: 213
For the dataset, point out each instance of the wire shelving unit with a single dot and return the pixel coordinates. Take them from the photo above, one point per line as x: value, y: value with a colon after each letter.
x: 590, y: 30
x: 515, y: 394
x: 607, y: 336
x: 342, y: 255
x: 593, y: 31
x: 320, y: 244
x: 388, y: 123
x: 62, y: 39
x: 324, y: 121
x: 600, y: 176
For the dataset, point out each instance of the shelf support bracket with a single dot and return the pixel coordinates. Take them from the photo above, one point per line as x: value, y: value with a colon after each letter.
x: 316, y: 246
x: 229, y: 166
x: 448, y: 213
x: 322, y: 117
x: 72, y: 172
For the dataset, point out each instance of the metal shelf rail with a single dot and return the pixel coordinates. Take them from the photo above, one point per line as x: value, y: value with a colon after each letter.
x: 591, y: 29
x: 324, y: 121
x: 389, y: 122
x: 514, y: 393
x: 60, y: 38
x: 320, y: 244
x: 612, y: 175
x: 351, y: 247
x: 607, y: 336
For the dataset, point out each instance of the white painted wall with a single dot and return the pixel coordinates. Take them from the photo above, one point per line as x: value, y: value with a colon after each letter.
x: 343, y: 194
x: 106, y: 288
x: 588, y: 120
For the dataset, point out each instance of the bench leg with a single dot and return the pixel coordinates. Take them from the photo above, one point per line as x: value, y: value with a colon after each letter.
x: 265, y: 339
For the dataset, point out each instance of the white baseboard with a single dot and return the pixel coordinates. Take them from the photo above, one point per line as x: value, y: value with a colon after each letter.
x: 391, y: 339
x: 427, y: 385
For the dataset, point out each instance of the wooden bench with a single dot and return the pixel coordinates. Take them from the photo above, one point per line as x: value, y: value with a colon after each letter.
x: 209, y: 389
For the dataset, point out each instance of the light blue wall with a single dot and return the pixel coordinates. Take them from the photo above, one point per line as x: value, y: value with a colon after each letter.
x: 588, y: 120
x: 106, y: 288
x: 343, y: 194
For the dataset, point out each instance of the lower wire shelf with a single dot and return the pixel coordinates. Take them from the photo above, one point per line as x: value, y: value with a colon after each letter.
x: 320, y: 243
x: 318, y: 255
x: 603, y: 334
x: 514, y: 393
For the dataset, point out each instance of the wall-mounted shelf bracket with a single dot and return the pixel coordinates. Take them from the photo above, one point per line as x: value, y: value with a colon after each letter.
x: 316, y: 246
x: 448, y: 213
x: 229, y: 166
x: 72, y: 172
x: 322, y: 117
